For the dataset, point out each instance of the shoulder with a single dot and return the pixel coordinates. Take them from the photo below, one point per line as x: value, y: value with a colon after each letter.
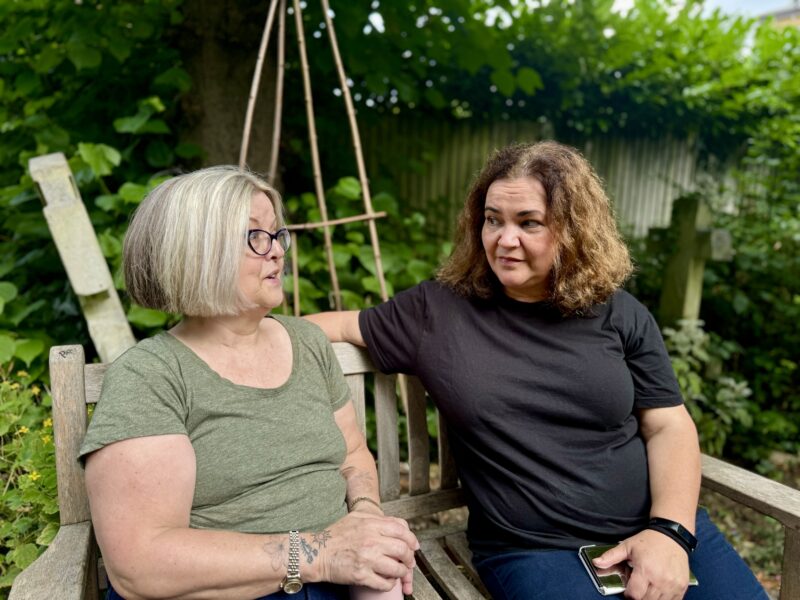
x: 300, y: 328
x: 625, y: 304
x: 153, y: 353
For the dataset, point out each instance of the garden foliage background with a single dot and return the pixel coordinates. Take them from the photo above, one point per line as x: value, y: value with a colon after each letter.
x: 107, y: 84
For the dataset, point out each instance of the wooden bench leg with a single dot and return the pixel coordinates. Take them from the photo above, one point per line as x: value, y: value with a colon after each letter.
x: 790, y: 573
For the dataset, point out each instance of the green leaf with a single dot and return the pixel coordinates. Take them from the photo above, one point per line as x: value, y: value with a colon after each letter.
x: 146, y: 317
x: 371, y: 284
x: 435, y: 98
x: 506, y: 82
x: 186, y: 150
x: 157, y: 126
x: 348, y: 187
x: 49, y: 58
x: 26, y: 83
x: 47, y: 534
x: 529, y: 81
x: 159, y: 154
x: 132, y: 193
x: 175, y: 78
x: 7, y: 345
x: 110, y: 244
x: 100, y: 158
x: 27, y: 309
x: 82, y: 56
x: 107, y: 202
x: 27, y: 350
x: 131, y: 124
x: 119, y: 47
x: 23, y: 555
x: 8, y: 291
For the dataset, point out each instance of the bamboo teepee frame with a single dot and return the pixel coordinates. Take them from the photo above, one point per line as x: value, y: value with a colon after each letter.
x: 326, y: 224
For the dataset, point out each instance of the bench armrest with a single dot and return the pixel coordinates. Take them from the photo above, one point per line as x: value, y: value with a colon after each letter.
x: 769, y: 497
x: 63, y: 571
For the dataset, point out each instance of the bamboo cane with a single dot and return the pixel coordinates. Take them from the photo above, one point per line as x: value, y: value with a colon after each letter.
x: 276, y: 123
x: 251, y: 101
x: 312, y: 138
x: 342, y: 221
x: 362, y: 171
x: 295, y: 277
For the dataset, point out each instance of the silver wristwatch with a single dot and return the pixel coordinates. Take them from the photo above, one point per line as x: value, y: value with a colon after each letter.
x: 292, y: 583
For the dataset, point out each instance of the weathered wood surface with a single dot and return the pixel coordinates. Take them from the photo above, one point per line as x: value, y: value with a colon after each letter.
x: 790, y: 572
x: 65, y: 570
x: 745, y: 487
x: 446, y: 574
x: 388, y: 439
x: 69, y: 427
x: 423, y: 590
x: 419, y: 463
x: 81, y: 256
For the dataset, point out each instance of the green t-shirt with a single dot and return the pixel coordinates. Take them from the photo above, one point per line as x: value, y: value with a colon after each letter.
x: 267, y: 459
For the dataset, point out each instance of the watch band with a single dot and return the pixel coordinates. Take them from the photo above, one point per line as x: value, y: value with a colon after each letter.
x: 676, y: 531
x: 292, y: 583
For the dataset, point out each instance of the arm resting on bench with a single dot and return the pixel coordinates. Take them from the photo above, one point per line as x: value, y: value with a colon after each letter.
x: 63, y: 570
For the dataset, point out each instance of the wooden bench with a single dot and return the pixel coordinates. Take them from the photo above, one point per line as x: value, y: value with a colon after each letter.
x: 70, y: 569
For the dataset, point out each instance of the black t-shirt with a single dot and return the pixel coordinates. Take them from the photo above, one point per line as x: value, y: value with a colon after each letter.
x: 540, y: 408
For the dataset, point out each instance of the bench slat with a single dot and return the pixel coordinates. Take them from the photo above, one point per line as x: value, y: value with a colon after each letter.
x: 388, y: 439
x: 419, y: 462
x: 423, y: 590
x: 409, y: 507
x: 448, y: 477
x: 446, y: 574
x: 790, y: 571
x: 356, y: 385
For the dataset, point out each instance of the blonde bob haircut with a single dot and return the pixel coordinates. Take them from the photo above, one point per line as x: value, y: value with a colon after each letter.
x: 186, y: 240
x: 591, y: 260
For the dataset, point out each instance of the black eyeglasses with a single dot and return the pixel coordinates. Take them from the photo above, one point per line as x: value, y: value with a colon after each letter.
x: 260, y: 241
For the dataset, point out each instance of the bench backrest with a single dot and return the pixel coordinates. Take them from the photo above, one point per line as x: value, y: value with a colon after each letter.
x: 75, y: 385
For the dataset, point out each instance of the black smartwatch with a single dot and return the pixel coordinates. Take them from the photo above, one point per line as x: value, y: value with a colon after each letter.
x: 676, y: 531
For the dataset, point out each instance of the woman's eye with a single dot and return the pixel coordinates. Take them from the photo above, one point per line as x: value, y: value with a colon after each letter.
x: 491, y: 220
x: 529, y: 224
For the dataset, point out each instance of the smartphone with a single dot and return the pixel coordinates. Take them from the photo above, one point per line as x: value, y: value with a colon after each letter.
x: 613, y: 579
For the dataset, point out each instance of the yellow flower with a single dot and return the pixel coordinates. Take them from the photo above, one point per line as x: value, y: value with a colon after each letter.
x: 48, y: 422
x: 22, y: 374
x: 36, y: 389
x: 34, y: 476
x: 14, y: 386
x: 46, y: 438
x: 23, y: 429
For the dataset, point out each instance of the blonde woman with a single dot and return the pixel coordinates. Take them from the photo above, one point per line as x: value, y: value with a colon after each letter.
x: 224, y: 459
x: 565, y: 418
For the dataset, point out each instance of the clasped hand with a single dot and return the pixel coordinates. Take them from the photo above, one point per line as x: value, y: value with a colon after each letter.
x: 660, y: 566
x: 370, y: 550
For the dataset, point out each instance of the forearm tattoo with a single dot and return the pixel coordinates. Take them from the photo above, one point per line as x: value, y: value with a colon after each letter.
x: 308, y: 550
x: 278, y: 554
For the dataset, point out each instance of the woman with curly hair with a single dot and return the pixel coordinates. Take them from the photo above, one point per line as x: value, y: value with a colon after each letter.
x: 565, y: 417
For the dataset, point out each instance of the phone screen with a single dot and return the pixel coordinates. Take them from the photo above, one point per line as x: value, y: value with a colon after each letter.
x: 610, y: 580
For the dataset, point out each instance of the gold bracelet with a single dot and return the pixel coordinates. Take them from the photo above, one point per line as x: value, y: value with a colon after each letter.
x: 363, y: 499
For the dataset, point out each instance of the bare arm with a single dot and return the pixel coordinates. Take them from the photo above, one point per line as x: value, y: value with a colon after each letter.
x: 358, y: 468
x: 673, y: 458
x: 140, y: 492
x: 339, y: 326
x: 362, y: 477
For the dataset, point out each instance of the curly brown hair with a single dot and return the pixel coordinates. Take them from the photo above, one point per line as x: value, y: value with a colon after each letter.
x: 591, y: 260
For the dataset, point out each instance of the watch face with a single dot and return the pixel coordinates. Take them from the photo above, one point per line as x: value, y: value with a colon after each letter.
x: 292, y: 586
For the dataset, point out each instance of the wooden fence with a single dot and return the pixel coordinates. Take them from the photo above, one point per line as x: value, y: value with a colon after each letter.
x: 433, y: 162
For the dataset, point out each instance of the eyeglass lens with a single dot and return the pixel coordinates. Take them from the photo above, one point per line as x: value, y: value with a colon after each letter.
x: 260, y: 241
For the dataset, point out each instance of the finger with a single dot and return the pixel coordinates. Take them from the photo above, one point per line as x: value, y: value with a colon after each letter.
x: 615, y: 555
x: 398, y: 528
x: 407, y: 582
x: 390, y: 569
x: 637, y: 587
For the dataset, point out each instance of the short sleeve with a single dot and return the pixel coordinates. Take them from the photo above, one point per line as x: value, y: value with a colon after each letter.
x: 393, y: 330
x: 655, y: 384
x: 141, y: 396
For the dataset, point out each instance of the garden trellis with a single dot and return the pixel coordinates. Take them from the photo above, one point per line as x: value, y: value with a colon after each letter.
x: 369, y: 215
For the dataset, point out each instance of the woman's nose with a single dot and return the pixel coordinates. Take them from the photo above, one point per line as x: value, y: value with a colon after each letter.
x: 508, y: 238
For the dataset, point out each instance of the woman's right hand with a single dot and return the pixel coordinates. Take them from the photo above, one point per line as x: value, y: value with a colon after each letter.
x: 365, y: 549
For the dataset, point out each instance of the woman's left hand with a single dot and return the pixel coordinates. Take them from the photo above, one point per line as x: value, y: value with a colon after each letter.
x: 660, y: 566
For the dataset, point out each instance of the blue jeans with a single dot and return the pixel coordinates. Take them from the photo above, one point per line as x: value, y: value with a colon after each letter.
x: 310, y: 591
x: 558, y: 574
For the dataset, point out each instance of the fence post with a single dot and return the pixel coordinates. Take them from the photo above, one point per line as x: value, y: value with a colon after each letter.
x: 695, y: 242
x: 81, y: 256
